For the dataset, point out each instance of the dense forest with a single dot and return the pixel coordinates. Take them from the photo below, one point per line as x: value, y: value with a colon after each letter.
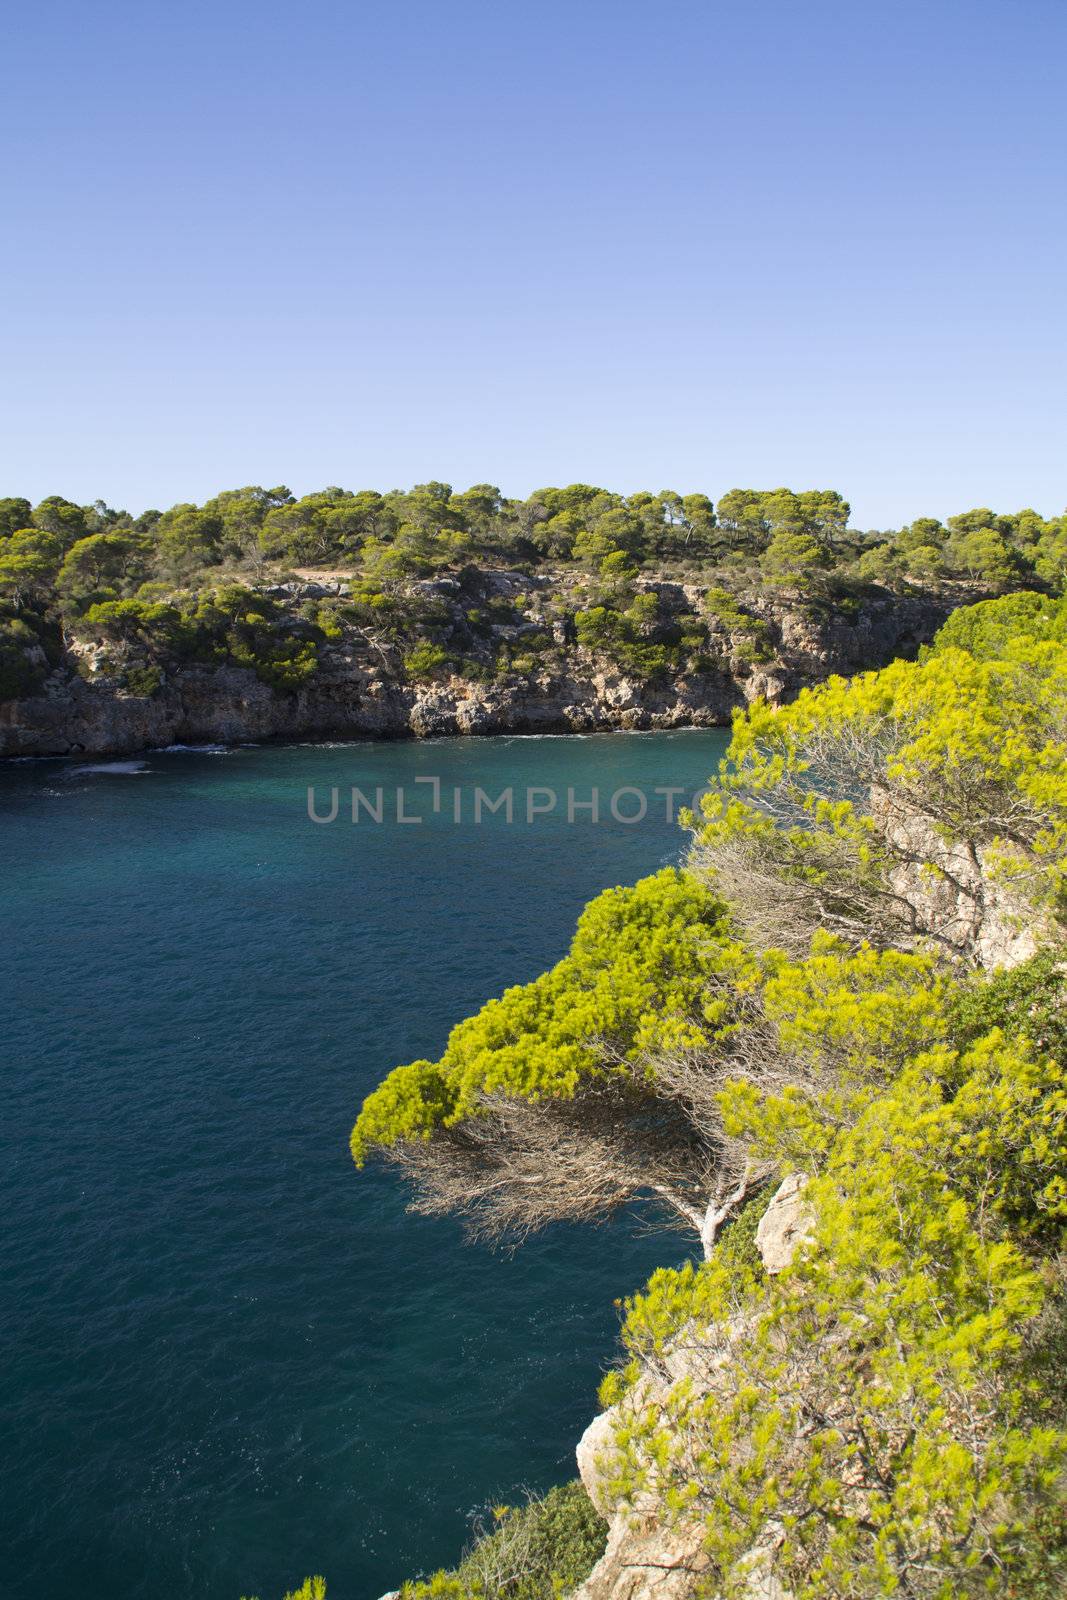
x: 193, y: 583
x: 847, y: 1010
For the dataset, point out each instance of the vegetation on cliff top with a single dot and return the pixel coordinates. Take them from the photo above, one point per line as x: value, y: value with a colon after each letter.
x: 887, y: 1416
x: 186, y: 585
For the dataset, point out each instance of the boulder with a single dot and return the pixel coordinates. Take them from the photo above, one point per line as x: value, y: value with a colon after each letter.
x: 785, y: 1225
x: 593, y: 1447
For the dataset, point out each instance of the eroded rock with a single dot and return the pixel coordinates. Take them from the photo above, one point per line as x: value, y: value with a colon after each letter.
x: 785, y: 1225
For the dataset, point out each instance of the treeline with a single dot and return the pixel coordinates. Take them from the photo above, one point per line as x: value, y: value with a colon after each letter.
x: 78, y: 554
x: 192, y: 584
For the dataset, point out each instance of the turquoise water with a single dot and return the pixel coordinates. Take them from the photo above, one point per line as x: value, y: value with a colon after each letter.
x: 228, y: 1358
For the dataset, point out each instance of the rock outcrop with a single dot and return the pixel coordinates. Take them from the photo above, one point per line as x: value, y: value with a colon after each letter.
x: 643, y: 1559
x: 784, y: 1226
x: 961, y: 894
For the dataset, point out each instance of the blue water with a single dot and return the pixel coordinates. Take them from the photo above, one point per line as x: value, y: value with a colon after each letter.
x: 228, y: 1358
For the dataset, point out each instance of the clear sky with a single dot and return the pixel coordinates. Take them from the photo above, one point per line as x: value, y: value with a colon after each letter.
x: 689, y: 245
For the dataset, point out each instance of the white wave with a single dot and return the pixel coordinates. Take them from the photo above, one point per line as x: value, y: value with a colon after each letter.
x: 117, y: 768
x: 192, y: 749
x: 510, y: 738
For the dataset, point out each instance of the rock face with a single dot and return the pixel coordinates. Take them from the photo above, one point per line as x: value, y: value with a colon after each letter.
x: 360, y: 693
x: 643, y: 1559
x: 964, y: 901
x: 593, y: 1446
x: 784, y: 1226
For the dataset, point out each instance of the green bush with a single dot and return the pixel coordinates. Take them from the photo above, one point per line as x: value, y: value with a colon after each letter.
x: 425, y: 661
x: 537, y: 1551
x: 310, y: 1589
x: 21, y: 672
x: 143, y: 681
x: 1027, y: 1001
x: 628, y: 638
x: 754, y: 645
x: 230, y: 625
x: 751, y: 652
x: 986, y: 630
x: 595, y: 628
x: 736, y: 1249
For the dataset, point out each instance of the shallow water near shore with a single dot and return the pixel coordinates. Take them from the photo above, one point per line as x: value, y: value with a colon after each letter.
x: 230, y: 1359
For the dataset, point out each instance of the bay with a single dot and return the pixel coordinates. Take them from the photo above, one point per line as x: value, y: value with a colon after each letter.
x: 229, y: 1359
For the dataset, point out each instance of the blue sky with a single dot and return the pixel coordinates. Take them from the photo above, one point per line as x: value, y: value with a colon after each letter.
x: 685, y: 245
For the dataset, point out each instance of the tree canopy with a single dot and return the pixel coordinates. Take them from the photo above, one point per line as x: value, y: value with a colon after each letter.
x: 829, y: 799
x: 782, y: 538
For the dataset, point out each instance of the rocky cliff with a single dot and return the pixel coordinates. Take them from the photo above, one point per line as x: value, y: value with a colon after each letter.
x: 88, y: 702
x: 645, y: 1559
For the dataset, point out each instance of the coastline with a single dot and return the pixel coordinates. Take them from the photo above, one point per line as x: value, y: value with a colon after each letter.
x: 81, y: 710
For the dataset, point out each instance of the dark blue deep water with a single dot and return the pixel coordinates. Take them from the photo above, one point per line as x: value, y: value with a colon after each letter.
x: 229, y: 1359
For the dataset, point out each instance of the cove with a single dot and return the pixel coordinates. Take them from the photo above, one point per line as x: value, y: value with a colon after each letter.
x: 229, y: 1358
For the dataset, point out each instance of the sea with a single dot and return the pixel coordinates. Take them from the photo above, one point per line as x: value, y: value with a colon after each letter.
x: 229, y: 1358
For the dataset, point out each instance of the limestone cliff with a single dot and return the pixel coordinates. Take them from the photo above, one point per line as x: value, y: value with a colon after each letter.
x: 87, y: 704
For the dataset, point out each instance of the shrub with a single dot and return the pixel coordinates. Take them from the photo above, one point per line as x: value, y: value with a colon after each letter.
x: 425, y: 661
x: 537, y: 1551
x: 21, y: 667
x: 1027, y: 1001
x: 143, y: 681
x: 310, y: 1589
x: 725, y: 608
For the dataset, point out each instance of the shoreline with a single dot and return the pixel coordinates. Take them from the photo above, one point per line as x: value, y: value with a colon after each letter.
x: 82, y: 710
x: 230, y: 708
x: 332, y: 740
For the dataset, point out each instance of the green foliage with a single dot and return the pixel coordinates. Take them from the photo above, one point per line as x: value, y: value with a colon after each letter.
x: 793, y: 559
x: 187, y: 539
x: 886, y: 1416
x: 795, y: 539
x: 22, y: 661
x: 595, y: 628
x: 425, y: 661
x: 633, y: 638
x: 736, y: 1250
x: 760, y: 518
x: 976, y: 744
x: 64, y: 520
x: 1024, y: 1002
x: 634, y: 980
x: 29, y: 562
x: 100, y: 567
x: 15, y: 513
x: 61, y: 560
x: 748, y: 634
x: 228, y: 625
x: 989, y: 631
x: 727, y: 610
x: 331, y: 525
x: 537, y: 1551
x: 878, y: 1399
x: 310, y: 1589
x: 143, y: 681
x: 985, y: 556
